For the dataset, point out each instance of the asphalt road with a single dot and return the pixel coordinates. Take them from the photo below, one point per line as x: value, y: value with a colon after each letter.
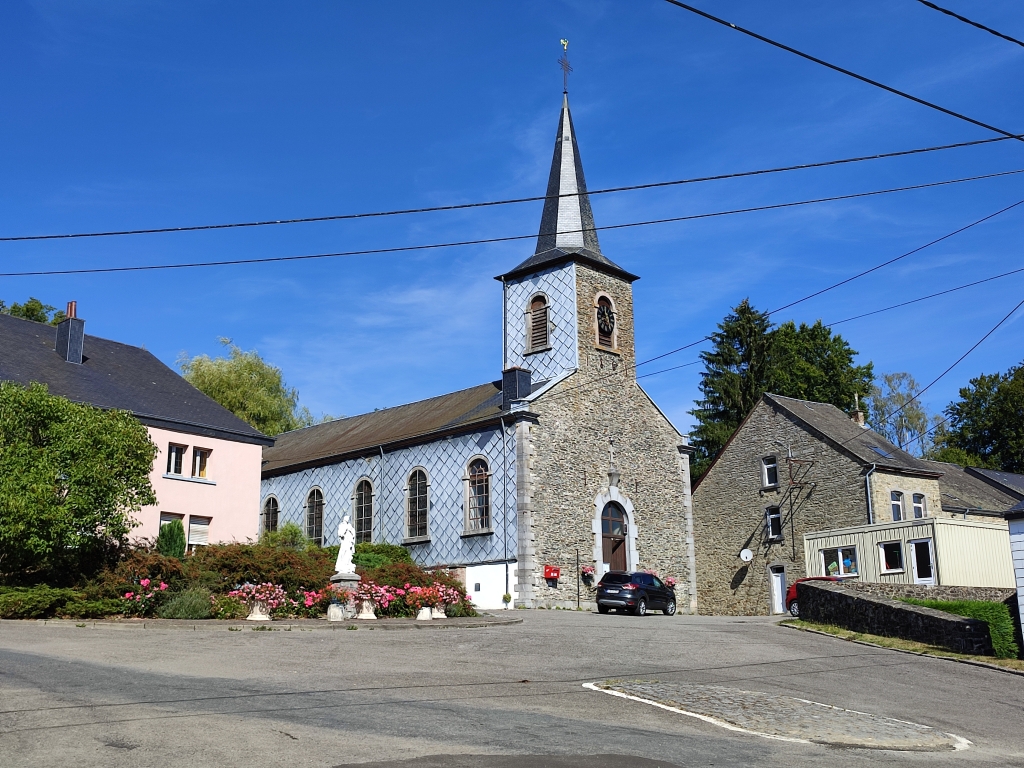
x: 499, y: 697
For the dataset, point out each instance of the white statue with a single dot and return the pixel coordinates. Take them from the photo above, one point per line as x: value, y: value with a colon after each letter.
x: 346, y: 548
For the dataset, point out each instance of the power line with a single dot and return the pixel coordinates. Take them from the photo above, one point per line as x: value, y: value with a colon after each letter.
x: 510, y: 238
x: 965, y: 20
x: 510, y: 201
x: 841, y: 70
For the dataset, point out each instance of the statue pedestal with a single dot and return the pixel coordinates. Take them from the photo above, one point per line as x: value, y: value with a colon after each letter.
x: 349, y: 582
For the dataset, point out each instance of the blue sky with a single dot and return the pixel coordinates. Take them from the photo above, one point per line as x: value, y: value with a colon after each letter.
x: 124, y: 115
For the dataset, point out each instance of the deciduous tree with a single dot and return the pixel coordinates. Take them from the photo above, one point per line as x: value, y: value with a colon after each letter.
x: 987, y: 421
x: 897, y: 416
x: 34, y: 310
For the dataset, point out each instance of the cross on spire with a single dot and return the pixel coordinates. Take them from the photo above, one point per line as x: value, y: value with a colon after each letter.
x: 564, y: 64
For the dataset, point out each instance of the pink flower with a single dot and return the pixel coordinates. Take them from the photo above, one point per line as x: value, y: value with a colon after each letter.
x: 144, y: 582
x: 162, y: 586
x: 128, y: 595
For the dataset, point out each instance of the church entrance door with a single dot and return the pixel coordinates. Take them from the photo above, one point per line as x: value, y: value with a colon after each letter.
x: 613, y: 536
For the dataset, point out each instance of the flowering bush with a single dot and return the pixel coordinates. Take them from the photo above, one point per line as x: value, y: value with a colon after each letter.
x: 312, y: 603
x: 271, y: 595
x: 669, y: 581
x: 587, y: 570
x: 423, y: 597
x: 227, y: 607
x: 143, y: 600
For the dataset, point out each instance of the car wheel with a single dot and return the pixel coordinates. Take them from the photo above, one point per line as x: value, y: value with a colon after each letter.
x: 794, y: 609
x: 641, y: 607
x: 602, y: 609
x: 670, y: 608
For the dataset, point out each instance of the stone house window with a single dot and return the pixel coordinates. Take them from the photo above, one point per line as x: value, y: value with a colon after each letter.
x: 477, y: 505
x: 770, y: 472
x: 315, y: 516
x: 362, y: 505
x: 891, y: 555
x: 271, y: 510
x: 897, y: 505
x: 919, y: 505
x: 773, y: 523
x: 417, y: 505
x: 839, y: 561
x: 537, y: 324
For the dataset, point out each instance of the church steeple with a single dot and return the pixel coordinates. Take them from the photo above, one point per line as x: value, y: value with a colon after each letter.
x: 567, y: 222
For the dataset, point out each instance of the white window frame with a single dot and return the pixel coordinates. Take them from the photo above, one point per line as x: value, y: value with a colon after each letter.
x: 922, y: 506
x: 881, y: 558
x: 912, y: 545
x: 897, y: 498
x: 179, y: 450
x: 467, y: 494
x: 768, y: 523
x: 839, y: 561
x: 405, y: 512
x: 201, y: 473
x: 355, y: 510
x: 201, y: 522
x: 766, y: 462
x: 263, y: 514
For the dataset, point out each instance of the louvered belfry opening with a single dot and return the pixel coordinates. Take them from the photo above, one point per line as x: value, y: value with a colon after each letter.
x: 538, y: 323
x: 604, y: 339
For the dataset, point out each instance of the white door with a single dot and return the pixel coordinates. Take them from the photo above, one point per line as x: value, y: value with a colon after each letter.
x: 922, y: 556
x: 778, y: 589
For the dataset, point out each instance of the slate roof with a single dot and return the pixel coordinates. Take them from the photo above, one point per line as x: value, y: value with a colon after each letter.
x: 862, y: 444
x: 961, y: 489
x: 391, y: 427
x: 1008, y: 480
x: 116, y: 375
x: 567, y: 230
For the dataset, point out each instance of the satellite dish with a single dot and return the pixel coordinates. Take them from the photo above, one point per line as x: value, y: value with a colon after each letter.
x: 746, y: 555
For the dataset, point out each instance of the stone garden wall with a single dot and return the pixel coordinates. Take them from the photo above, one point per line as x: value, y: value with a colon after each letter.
x: 859, y: 611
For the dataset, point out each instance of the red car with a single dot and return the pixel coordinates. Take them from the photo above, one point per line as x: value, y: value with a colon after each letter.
x: 791, y: 604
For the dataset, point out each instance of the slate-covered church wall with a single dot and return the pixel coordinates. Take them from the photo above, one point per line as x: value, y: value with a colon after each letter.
x: 559, y: 285
x: 445, y: 462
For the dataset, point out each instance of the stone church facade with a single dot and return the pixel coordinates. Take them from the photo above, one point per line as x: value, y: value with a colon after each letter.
x: 566, y: 460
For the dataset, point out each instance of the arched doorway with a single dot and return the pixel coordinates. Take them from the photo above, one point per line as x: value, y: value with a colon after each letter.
x: 613, y: 536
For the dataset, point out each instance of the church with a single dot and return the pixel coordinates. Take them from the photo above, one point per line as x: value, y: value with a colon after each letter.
x: 519, y: 484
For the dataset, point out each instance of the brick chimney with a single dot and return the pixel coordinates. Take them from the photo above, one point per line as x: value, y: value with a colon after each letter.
x: 71, y: 335
x: 515, y: 385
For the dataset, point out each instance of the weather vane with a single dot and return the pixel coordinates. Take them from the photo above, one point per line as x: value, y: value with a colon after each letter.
x: 564, y: 63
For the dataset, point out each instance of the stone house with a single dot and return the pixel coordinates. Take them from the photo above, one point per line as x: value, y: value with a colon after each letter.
x: 207, y: 469
x: 796, y: 468
x: 564, y: 461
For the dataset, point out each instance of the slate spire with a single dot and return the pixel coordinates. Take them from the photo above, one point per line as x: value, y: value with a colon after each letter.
x: 567, y: 222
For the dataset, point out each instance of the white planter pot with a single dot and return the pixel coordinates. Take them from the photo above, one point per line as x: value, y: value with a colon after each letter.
x: 259, y: 612
x: 335, y: 612
x: 424, y: 614
x: 437, y: 612
x: 366, y: 611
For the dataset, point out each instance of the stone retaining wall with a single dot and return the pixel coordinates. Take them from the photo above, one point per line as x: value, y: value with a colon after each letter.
x: 857, y: 610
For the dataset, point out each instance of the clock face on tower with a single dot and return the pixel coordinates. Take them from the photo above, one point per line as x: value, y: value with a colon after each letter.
x: 605, y: 320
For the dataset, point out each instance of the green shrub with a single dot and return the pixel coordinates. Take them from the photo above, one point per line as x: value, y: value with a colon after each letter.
x: 996, y: 615
x: 288, y: 536
x: 170, y: 542
x: 81, y: 608
x: 379, y: 555
x: 191, y: 604
x: 39, y: 602
x: 255, y: 563
x: 224, y: 607
x: 137, y: 565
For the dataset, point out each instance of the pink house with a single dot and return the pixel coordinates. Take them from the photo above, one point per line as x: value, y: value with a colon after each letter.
x: 207, y: 469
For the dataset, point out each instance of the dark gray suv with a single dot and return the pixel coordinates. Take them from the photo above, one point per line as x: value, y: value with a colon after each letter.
x: 636, y: 593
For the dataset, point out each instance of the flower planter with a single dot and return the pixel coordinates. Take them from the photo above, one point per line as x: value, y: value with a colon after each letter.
x: 438, y: 612
x: 366, y: 610
x: 425, y: 613
x: 259, y: 612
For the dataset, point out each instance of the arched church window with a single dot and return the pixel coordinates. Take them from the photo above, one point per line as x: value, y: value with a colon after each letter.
x: 315, y: 517
x: 478, y: 497
x: 363, y: 504
x: 271, y: 509
x: 537, y: 322
x: 418, y: 505
x: 613, y: 536
x: 605, y: 322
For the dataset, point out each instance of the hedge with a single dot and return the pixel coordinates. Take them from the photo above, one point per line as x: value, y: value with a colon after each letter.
x: 996, y: 615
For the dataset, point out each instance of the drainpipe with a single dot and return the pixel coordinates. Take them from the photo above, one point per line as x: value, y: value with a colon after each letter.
x: 504, y: 500
x: 867, y: 487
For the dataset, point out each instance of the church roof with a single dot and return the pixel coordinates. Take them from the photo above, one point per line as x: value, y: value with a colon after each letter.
x: 116, y: 375
x: 407, y: 424
x: 567, y: 231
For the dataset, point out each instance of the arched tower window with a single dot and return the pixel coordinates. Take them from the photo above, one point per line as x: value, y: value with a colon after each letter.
x: 315, y: 517
x: 537, y: 325
x: 478, y: 497
x: 363, y: 504
x: 605, y: 322
x: 271, y: 509
x: 418, y: 505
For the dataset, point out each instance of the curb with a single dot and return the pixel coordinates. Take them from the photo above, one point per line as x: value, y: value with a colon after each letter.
x: 972, y: 662
x: 310, y: 625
